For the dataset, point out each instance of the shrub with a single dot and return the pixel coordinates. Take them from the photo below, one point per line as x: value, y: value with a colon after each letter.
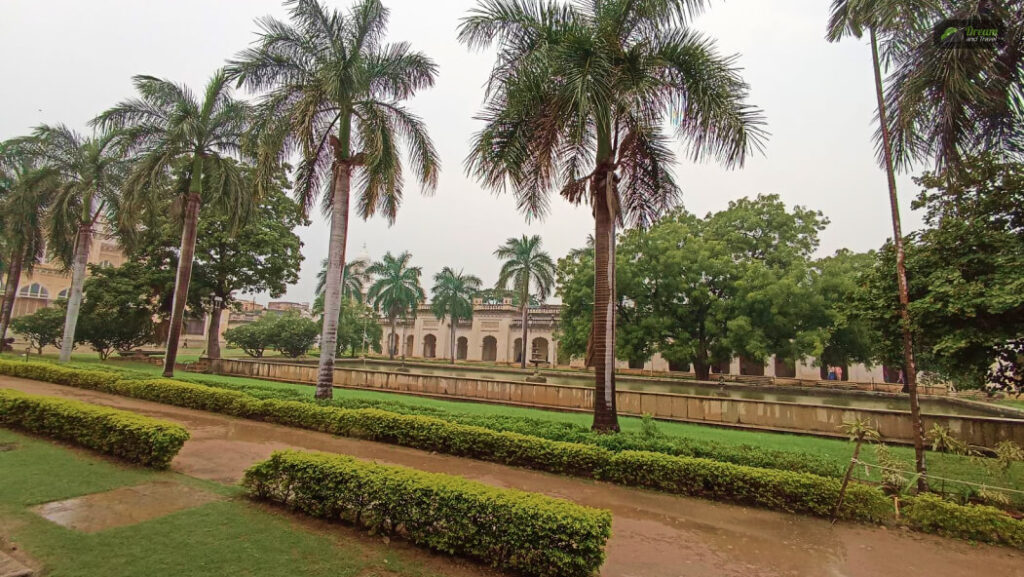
x: 294, y: 335
x: 131, y: 437
x: 932, y: 514
x: 253, y: 338
x: 45, y: 327
x: 524, y: 532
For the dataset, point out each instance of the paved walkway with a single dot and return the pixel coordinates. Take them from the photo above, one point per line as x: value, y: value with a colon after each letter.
x: 654, y: 534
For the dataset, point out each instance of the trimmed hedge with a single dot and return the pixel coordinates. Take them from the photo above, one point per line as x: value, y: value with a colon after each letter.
x: 513, y: 530
x: 932, y: 514
x: 785, y: 490
x: 131, y: 437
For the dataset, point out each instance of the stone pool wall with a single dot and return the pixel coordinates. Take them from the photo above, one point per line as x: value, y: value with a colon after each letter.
x: 894, y: 426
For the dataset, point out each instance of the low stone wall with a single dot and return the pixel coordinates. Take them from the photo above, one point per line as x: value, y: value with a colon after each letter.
x: 894, y: 426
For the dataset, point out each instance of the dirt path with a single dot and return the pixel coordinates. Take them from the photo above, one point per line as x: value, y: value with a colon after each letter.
x: 654, y: 535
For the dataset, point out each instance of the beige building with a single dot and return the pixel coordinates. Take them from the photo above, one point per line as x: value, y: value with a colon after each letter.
x: 49, y: 282
x: 494, y: 334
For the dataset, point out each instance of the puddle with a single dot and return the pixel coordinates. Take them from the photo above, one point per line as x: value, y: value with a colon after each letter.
x: 124, y: 506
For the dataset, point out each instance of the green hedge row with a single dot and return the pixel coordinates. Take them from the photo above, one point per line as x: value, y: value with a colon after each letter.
x: 513, y: 530
x: 932, y: 514
x: 752, y: 456
x: 131, y: 437
x: 785, y: 490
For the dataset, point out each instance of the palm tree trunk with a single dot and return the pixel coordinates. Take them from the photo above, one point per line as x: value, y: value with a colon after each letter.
x: 605, y: 415
x: 451, y: 340
x: 184, y: 277
x: 909, y: 366
x: 13, y: 279
x: 526, y: 313
x: 213, y: 333
x: 393, y: 344
x: 82, y: 248
x: 335, y: 270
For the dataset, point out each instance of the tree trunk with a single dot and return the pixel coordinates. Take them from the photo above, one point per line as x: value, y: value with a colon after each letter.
x: 605, y: 414
x: 526, y: 318
x: 185, y: 257
x: 451, y: 340
x: 335, y: 270
x: 701, y: 370
x: 82, y: 247
x: 13, y: 279
x: 213, y: 333
x: 393, y: 344
x: 910, y: 369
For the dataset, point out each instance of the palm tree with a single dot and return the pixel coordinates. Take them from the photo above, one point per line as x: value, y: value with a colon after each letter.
x: 26, y: 191
x: 452, y: 297
x: 335, y: 96
x: 169, y: 130
x: 525, y: 265
x: 951, y: 103
x: 92, y: 172
x: 888, y: 18
x: 396, y: 292
x: 577, y: 101
x: 353, y: 282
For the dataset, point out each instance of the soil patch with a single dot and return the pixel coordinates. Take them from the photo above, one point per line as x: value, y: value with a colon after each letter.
x: 124, y: 506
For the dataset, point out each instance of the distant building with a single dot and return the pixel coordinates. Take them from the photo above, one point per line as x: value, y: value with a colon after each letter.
x: 285, y: 306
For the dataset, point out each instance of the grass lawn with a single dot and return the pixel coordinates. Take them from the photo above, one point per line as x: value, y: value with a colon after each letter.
x: 940, y: 464
x: 1015, y: 403
x: 232, y: 537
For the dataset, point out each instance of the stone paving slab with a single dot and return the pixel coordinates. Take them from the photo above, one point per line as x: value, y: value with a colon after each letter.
x: 11, y: 567
x: 124, y: 506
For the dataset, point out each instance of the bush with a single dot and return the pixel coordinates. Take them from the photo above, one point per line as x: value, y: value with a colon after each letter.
x: 131, y: 437
x: 513, y: 530
x: 932, y: 514
x: 789, y: 491
x: 45, y: 327
x: 253, y: 338
x: 294, y: 335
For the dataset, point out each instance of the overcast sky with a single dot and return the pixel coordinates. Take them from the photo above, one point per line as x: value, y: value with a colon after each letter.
x: 67, y: 60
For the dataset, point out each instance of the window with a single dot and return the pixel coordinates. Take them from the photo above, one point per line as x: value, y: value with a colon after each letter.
x: 63, y: 294
x: 35, y: 291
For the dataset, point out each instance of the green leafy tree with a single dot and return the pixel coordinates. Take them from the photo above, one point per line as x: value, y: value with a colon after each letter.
x: 253, y: 338
x: 890, y: 20
x: 168, y: 129
x: 849, y: 338
x: 92, y: 171
x: 118, y: 310
x: 294, y: 335
x: 578, y: 100
x: 452, y: 297
x: 358, y: 329
x: 396, y: 292
x: 525, y: 265
x: 334, y: 94
x: 26, y: 190
x: 43, y: 328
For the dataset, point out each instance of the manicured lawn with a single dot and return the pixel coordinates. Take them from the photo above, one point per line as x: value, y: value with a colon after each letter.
x: 940, y: 464
x: 232, y: 537
x: 1015, y: 403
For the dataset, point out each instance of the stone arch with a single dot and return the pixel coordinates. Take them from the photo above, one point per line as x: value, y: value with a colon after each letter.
x: 410, y: 344
x: 462, y: 348
x: 490, y: 349
x: 429, y: 347
x: 34, y: 291
x: 539, y: 349
x: 842, y: 372
x: 393, y: 340
x: 63, y: 294
x: 517, y: 350
x: 751, y: 367
x: 785, y: 368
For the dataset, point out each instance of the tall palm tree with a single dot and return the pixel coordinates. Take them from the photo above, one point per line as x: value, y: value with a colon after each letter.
x: 353, y: 282
x: 92, y: 171
x: 169, y: 130
x: 27, y: 189
x: 396, y: 292
x: 887, y: 18
x: 452, y: 297
x: 525, y: 265
x: 950, y: 103
x: 334, y: 95
x: 577, y: 101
